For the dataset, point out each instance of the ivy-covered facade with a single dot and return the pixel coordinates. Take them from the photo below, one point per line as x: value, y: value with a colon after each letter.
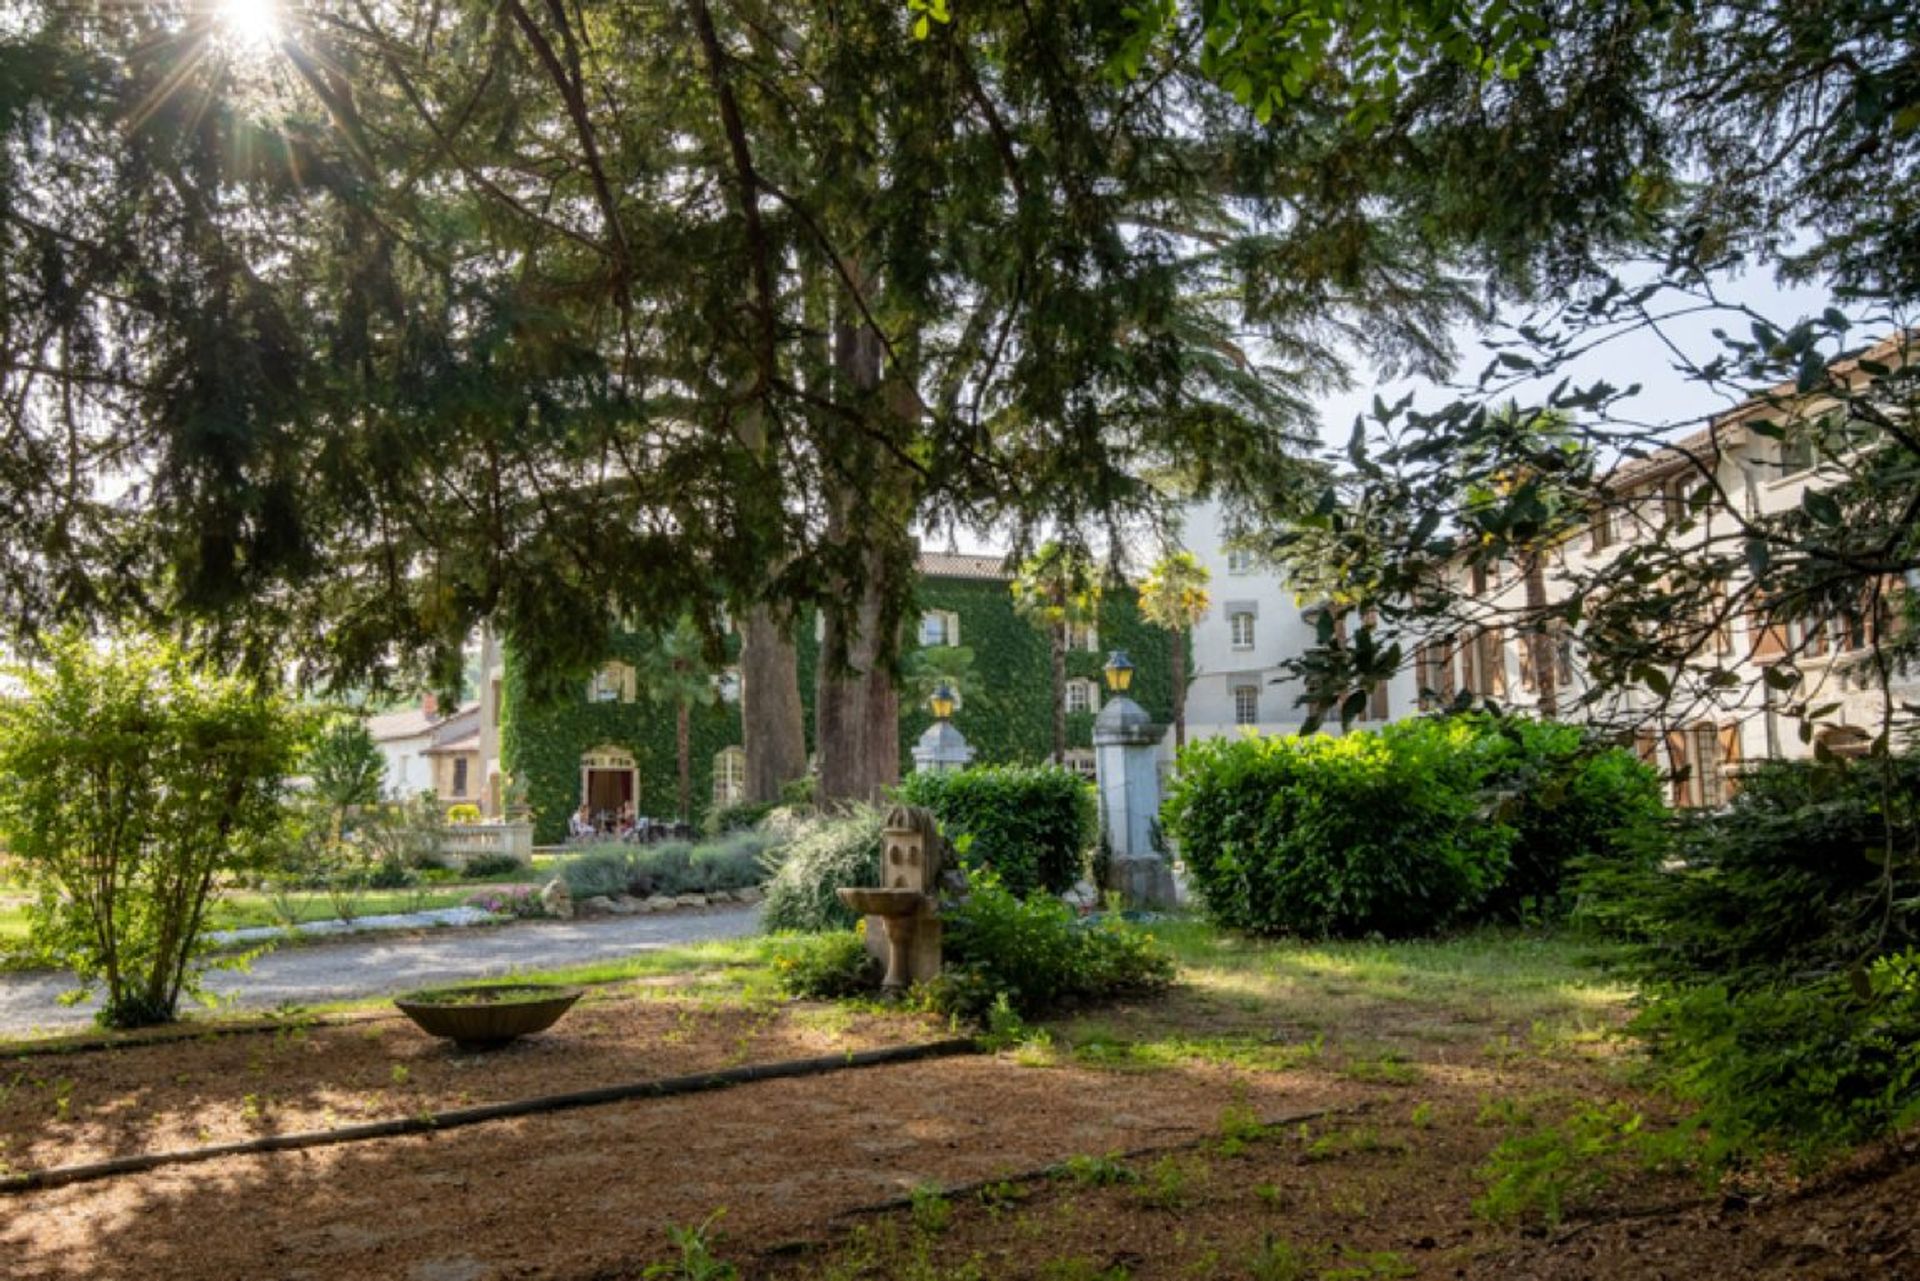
x: 551, y: 747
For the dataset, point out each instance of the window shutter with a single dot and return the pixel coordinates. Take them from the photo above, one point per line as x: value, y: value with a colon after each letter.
x: 1377, y: 702
x: 1493, y: 661
x: 1527, y: 681
x: 1683, y: 789
x: 1730, y: 757
x: 1769, y: 639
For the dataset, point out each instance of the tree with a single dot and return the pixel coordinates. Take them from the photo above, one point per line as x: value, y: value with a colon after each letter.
x: 772, y: 721
x: 930, y: 666
x: 344, y: 766
x: 417, y: 324
x: 674, y: 672
x: 1055, y: 589
x: 137, y: 779
x: 1174, y: 596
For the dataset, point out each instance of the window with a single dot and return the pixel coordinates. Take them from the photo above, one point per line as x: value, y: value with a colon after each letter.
x: 1239, y: 560
x: 729, y: 776
x: 1082, y: 697
x: 1601, y: 529
x: 1796, y: 452
x: 459, y: 776
x: 1083, y: 636
x: 1714, y: 748
x: 939, y: 627
x: 613, y: 683
x: 1246, y: 704
x: 1242, y: 630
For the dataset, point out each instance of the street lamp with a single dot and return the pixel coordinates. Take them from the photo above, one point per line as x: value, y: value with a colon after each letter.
x: 1119, y: 671
x: 942, y: 701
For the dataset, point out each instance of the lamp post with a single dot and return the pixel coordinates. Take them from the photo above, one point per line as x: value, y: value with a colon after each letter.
x: 1126, y: 750
x: 942, y: 702
x: 942, y: 748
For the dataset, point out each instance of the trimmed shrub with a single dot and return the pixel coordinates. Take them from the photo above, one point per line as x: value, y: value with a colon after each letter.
x: 824, y: 856
x: 1339, y: 836
x: 1575, y: 802
x: 1036, y: 956
x: 1031, y: 824
x: 1408, y: 829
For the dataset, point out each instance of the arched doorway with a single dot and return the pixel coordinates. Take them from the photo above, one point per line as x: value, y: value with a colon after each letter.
x: 609, y: 785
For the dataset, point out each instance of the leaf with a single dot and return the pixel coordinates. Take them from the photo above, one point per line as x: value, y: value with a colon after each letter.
x: 1821, y: 506
x: 1780, y: 676
x: 1759, y: 557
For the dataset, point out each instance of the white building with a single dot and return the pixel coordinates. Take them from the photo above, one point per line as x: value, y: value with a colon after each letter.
x: 1700, y: 735
x: 1254, y: 624
x: 429, y: 752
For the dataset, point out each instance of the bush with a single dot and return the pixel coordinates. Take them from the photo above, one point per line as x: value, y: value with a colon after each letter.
x: 137, y: 778
x: 671, y: 867
x: 1035, y: 955
x: 827, y: 966
x: 484, y: 865
x: 1790, y: 881
x: 1031, y: 825
x: 463, y: 813
x: 1576, y: 804
x: 1806, y: 1068
x: 821, y: 858
x: 1778, y: 941
x: 1407, y: 829
x: 736, y: 818
x: 1344, y: 836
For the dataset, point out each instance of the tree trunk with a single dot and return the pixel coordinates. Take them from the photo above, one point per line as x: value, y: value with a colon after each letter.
x: 856, y: 707
x: 772, y: 723
x: 1178, y: 663
x: 1057, y: 643
x: 1545, y: 659
x: 683, y: 742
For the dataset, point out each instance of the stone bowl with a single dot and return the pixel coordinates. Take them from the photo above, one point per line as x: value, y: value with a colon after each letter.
x: 487, y: 1017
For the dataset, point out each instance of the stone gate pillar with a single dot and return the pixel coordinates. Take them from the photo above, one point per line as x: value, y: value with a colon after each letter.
x: 1126, y: 750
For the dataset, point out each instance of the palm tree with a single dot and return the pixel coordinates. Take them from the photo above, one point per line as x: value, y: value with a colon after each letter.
x: 1174, y: 596
x: 1055, y: 589
x: 675, y: 670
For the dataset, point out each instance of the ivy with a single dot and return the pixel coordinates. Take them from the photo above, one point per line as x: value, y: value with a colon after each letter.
x: 1005, y: 714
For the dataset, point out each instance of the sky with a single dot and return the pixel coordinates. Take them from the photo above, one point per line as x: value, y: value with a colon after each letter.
x: 1667, y: 395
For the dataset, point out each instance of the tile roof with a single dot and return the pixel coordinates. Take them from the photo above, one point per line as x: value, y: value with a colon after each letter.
x: 957, y: 565
x: 411, y: 722
x: 1699, y: 447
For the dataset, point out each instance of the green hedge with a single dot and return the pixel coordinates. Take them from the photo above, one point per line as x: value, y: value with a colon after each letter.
x: 1033, y: 825
x: 1400, y: 831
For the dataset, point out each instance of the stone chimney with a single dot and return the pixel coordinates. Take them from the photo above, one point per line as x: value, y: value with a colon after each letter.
x: 430, y: 704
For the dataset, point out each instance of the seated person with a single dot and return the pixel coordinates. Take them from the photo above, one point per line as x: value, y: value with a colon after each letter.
x: 580, y: 825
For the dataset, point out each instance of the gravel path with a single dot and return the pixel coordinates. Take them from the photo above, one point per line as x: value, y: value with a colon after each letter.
x: 338, y: 971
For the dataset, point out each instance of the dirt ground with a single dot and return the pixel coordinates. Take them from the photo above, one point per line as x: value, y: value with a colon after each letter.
x: 1094, y: 1154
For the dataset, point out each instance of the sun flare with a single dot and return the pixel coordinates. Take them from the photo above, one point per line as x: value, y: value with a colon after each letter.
x: 252, y: 23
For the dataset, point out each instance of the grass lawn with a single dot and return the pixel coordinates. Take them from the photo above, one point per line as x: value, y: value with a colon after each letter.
x: 1287, y: 1112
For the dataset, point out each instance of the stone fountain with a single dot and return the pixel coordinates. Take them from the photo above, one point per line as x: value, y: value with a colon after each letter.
x: 904, y: 911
